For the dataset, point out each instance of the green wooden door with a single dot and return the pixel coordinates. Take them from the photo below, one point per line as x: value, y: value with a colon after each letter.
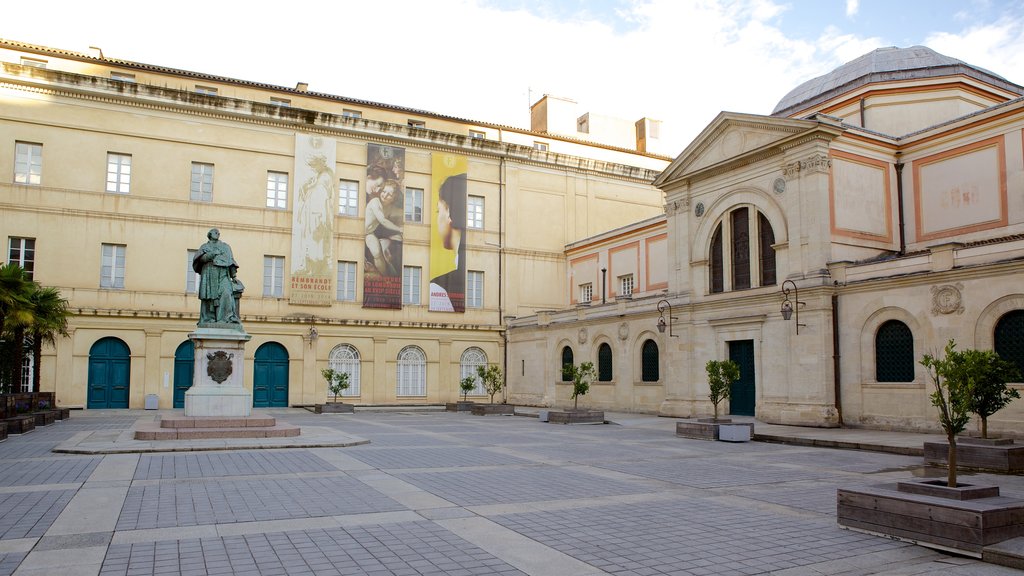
x: 741, y: 399
x: 109, y: 374
x: 184, y: 366
x: 270, y: 377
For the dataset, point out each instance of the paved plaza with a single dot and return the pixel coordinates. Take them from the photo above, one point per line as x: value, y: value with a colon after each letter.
x: 449, y: 494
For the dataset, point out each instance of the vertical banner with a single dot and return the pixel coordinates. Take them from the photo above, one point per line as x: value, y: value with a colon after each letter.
x: 385, y: 217
x: 448, y: 233
x: 312, y: 261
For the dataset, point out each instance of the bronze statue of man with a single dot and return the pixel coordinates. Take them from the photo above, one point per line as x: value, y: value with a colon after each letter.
x: 217, y: 284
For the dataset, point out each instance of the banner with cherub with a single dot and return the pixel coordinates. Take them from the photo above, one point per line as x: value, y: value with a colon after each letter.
x: 385, y: 217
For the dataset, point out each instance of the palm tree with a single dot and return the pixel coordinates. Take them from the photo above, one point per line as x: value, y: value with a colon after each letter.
x: 15, y: 315
x: 51, y: 319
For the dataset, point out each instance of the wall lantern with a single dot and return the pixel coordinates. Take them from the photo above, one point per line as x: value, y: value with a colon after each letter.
x: 662, y: 305
x: 789, y: 307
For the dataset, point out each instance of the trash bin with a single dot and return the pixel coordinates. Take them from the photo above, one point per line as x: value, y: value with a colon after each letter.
x: 152, y: 402
x: 542, y: 415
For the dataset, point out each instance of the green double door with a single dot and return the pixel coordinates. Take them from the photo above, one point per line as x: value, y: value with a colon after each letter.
x: 109, y: 374
x: 742, y: 397
x: 184, y: 366
x: 270, y: 376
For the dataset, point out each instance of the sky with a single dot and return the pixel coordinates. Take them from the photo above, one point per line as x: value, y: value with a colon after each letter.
x: 678, y: 61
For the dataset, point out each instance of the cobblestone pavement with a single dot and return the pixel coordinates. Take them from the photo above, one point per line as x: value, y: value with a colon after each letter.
x: 450, y: 494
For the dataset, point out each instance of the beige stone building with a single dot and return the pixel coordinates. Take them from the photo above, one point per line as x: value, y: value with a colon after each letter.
x: 115, y: 170
x: 881, y: 204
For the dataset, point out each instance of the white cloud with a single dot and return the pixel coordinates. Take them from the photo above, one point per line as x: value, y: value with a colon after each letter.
x: 998, y: 47
x: 852, y: 7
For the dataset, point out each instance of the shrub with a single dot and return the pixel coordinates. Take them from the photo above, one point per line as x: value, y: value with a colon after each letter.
x: 582, y: 375
x: 337, y: 382
x: 492, y: 378
x: 721, y: 375
x: 952, y: 396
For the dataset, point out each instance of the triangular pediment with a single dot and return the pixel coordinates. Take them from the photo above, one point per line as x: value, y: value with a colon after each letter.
x: 729, y: 136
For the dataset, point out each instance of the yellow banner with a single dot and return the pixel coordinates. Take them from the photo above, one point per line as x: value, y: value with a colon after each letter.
x: 448, y: 233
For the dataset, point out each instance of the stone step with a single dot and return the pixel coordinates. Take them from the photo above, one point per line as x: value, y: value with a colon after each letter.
x: 1006, y: 553
x: 217, y: 421
x: 281, y: 430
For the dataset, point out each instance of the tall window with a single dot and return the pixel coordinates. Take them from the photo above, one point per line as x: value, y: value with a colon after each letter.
x: 604, y: 362
x: 412, y: 372
x: 413, y: 205
x: 112, y: 266
x: 411, y: 276
x: 472, y: 358
x: 345, y: 358
x: 201, y: 186
x: 208, y: 90
x: 650, y: 363
x: 732, y: 250
x: 351, y: 114
x: 567, y: 360
x: 22, y: 251
x: 894, y: 353
x: 119, y: 172
x: 626, y: 285
x: 28, y: 163
x: 474, y: 289
x: 348, y: 198
x: 273, y: 276
x: 346, y: 281
x: 191, y: 276
x: 586, y: 292
x: 1008, y: 338
x: 475, y: 212
x: 277, y: 190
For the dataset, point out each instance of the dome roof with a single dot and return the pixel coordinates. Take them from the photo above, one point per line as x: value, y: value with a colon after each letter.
x: 882, y: 65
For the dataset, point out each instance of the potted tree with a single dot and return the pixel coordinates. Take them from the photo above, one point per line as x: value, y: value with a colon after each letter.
x: 337, y: 383
x: 582, y: 375
x: 494, y: 381
x: 466, y: 385
x: 943, y: 514
x: 721, y: 375
x: 987, y: 376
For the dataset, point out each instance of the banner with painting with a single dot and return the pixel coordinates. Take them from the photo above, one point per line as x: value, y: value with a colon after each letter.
x: 448, y: 233
x: 385, y: 217
x: 312, y: 259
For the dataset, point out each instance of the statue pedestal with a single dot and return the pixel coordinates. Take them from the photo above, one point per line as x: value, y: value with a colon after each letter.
x: 217, y: 374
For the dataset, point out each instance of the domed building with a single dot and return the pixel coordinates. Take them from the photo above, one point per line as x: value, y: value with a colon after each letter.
x: 877, y: 213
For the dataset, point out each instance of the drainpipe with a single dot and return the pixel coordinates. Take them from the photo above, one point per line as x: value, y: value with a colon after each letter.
x: 837, y: 389
x: 501, y: 272
x: 899, y: 203
x: 604, y: 281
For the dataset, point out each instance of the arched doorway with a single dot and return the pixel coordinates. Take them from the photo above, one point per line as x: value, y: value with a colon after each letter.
x: 109, y: 370
x: 270, y: 377
x: 184, y: 365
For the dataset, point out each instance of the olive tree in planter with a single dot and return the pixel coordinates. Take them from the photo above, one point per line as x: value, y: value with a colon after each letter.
x: 582, y: 375
x: 951, y: 516
x: 337, y: 383
x: 721, y: 375
x: 466, y: 385
x: 493, y: 380
x: 990, y: 392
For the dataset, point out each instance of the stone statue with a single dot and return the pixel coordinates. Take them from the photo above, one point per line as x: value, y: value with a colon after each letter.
x: 219, y: 290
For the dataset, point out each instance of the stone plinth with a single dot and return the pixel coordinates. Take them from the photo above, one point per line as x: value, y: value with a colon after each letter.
x: 334, y: 408
x: 999, y: 455
x: 576, y: 417
x: 217, y: 373
x: 213, y: 427
x: 964, y: 519
x: 708, y: 428
x: 493, y: 409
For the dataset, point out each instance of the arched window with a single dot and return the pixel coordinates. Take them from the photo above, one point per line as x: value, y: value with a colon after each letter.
x: 894, y: 353
x: 566, y: 359
x: 345, y: 358
x: 472, y: 358
x: 604, y: 363
x: 649, y: 362
x: 1008, y: 338
x: 412, y: 372
x: 731, y: 248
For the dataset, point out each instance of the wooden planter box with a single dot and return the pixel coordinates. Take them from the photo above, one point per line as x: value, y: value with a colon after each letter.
x: 964, y: 519
x: 991, y: 454
x: 493, y: 409
x: 576, y: 416
x: 3, y: 430
x: 334, y: 408
x: 45, y: 417
x: 20, y: 424
x: 459, y: 406
x: 707, y: 428
x: 63, y: 413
